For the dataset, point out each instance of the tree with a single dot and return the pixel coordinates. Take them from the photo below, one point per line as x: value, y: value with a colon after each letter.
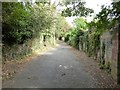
x: 77, y: 8
x: 61, y: 26
x: 109, y: 16
x: 15, y: 22
x: 81, y: 23
x: 23, y: 21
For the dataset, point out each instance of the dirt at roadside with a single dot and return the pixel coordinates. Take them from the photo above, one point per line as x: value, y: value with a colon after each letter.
x: 9, y: 68
x: 103, y: 78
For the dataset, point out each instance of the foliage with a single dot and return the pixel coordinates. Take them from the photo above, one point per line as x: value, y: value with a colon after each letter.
x: 12, y: 27
x: 104, y: 20
x: 89, y: 39
x: 61, y: 26
x: 108, y: 17
x: 27, y: 27
x: 72, y: 37
x: 29, y: 20
x: 81, y: 23
x: 77, y: 9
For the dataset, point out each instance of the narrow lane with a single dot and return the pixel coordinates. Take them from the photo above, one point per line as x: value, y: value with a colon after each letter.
x: 56, y: 68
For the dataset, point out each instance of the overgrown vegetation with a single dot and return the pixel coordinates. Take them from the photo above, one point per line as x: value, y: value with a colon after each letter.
x: 22, y: 21
x: 86, y: 36
x: 27, y: 27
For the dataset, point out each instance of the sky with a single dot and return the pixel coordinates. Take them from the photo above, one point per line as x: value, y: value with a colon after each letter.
x: 93, y: 4
x: 96, y: 6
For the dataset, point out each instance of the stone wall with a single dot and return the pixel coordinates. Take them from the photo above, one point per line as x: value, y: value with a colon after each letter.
x: 111, y: 41
x: 115, y: 55
x: 107, y: 55
x: 119, y: 54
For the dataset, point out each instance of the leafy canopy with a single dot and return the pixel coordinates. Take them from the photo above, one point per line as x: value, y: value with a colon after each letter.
x: 75, y: 8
